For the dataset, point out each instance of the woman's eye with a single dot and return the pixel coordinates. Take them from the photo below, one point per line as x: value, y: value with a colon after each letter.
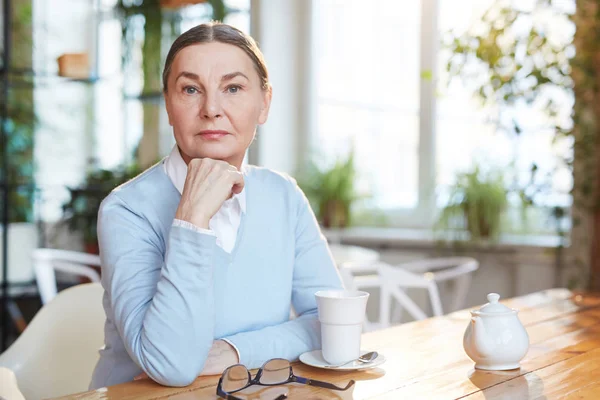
x: 190, y: 90
x: 233, y: 89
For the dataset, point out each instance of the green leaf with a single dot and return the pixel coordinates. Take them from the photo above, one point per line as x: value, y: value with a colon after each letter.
x: 427, y: 75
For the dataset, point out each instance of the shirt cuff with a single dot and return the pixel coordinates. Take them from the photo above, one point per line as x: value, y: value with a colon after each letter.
x: 237, y: 351
x: 189, y: 225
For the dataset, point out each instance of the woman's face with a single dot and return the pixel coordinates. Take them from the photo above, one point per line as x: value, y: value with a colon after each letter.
x: 215, y: 101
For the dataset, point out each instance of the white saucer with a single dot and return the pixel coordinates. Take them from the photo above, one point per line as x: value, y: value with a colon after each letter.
x: 315, y: 359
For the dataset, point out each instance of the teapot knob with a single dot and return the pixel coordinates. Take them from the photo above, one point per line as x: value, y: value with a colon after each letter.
x: 493, y: 298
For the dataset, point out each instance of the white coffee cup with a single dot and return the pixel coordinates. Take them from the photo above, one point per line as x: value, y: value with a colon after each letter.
x: 341, y: 313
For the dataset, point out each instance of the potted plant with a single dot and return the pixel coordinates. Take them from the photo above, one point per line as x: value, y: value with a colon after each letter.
x: 476, y: 203
x: 331, y: 191
x: 80, y: 213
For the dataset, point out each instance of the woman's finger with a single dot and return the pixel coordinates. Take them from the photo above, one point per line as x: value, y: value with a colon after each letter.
x: 237, y: 189
x: 237, y: 179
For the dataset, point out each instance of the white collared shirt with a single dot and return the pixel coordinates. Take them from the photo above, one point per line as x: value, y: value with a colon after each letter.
x: 226, y: 222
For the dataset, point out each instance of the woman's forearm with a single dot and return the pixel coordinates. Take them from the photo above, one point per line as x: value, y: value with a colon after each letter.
x: 221, y: 356
x: 163, y: 306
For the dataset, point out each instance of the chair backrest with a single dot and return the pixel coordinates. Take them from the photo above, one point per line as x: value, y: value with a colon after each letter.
x: 393, y: 280
x: 390, y: 281
x: 47, y: 261
x: 458, y: 269
x: 443, y: 267
x: 58, y: 351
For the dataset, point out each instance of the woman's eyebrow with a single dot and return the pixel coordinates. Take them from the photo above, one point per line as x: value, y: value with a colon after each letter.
x: 230, y: 76
x: 189, y: 75
x: 224, y: 78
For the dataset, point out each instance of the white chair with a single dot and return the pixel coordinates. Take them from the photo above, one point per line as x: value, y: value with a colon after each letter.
x: 458, y: 269
x: 343, y: 254
x: 56, y: 354
x: 391, y: 281
x: 47, y: 261
x: 9, y: 389
x: 388, y: 280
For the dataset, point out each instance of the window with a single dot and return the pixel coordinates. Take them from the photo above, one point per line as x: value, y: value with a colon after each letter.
x: 367, y: 63
x: 372, y: 73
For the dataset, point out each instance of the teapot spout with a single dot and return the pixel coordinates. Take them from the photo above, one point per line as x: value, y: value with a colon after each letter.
x: 481, y: 342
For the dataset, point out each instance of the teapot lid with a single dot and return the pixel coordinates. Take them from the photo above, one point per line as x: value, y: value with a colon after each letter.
x: 493, y: 306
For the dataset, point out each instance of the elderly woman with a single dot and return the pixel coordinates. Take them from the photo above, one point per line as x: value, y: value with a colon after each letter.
x: 202, y: 258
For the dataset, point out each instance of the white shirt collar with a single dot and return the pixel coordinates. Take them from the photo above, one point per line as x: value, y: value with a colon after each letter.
x: 176, y: 170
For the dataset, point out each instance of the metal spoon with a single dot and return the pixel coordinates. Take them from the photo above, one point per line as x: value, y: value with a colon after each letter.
x: 365, y: 359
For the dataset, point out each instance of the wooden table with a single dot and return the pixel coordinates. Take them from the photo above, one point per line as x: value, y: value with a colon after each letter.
x: 425, y: 360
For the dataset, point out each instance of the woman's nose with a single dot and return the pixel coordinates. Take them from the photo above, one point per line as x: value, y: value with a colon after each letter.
x: 211, y: 107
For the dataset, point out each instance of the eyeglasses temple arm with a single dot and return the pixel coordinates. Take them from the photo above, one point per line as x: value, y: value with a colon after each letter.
x: 325, y: 385
x: 228, y: 396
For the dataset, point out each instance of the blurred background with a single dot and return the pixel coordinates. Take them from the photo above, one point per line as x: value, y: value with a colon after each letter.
x: 418, y: 129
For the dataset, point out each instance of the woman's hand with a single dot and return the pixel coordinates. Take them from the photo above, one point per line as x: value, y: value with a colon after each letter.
x: 220, y: 356
x: 207, y: 185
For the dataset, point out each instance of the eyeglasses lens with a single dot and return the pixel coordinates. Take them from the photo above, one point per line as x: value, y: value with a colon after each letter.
x: 275, y: 372
x: 235, y: 378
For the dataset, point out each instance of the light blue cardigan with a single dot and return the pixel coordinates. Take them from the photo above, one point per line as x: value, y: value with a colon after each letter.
x: 171, y: 291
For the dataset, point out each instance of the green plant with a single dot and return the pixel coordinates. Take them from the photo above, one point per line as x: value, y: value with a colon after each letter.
x: 476, y: 203
x: 511, y: 58
x: 523, y: 58
x: 19, y: 177
x: 80, y: 213
x: 18, y: 127
x: 331, y: 191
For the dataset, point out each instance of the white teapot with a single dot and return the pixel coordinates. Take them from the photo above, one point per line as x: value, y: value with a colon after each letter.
x: 495, y: 338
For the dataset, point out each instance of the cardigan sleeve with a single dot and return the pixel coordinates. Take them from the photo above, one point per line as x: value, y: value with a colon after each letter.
x: 161, y: 304
x: 314, y: 270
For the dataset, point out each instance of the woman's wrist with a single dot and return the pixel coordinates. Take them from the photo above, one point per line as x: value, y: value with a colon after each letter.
x: 197, y: 220
x: 230, y: 353
x: 221, y: 356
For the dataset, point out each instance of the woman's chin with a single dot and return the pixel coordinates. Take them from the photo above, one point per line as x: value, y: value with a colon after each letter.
x: 226, y: 150
x: 216, y: 153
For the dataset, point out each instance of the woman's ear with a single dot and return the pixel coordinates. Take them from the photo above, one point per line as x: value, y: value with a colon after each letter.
x: 167, y: 106
x: 266, y: 104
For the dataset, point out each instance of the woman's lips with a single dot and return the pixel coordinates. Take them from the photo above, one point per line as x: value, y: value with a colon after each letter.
x: 213, y: 135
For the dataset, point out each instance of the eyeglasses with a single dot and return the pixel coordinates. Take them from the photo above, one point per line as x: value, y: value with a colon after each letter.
x: 277, y: 371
